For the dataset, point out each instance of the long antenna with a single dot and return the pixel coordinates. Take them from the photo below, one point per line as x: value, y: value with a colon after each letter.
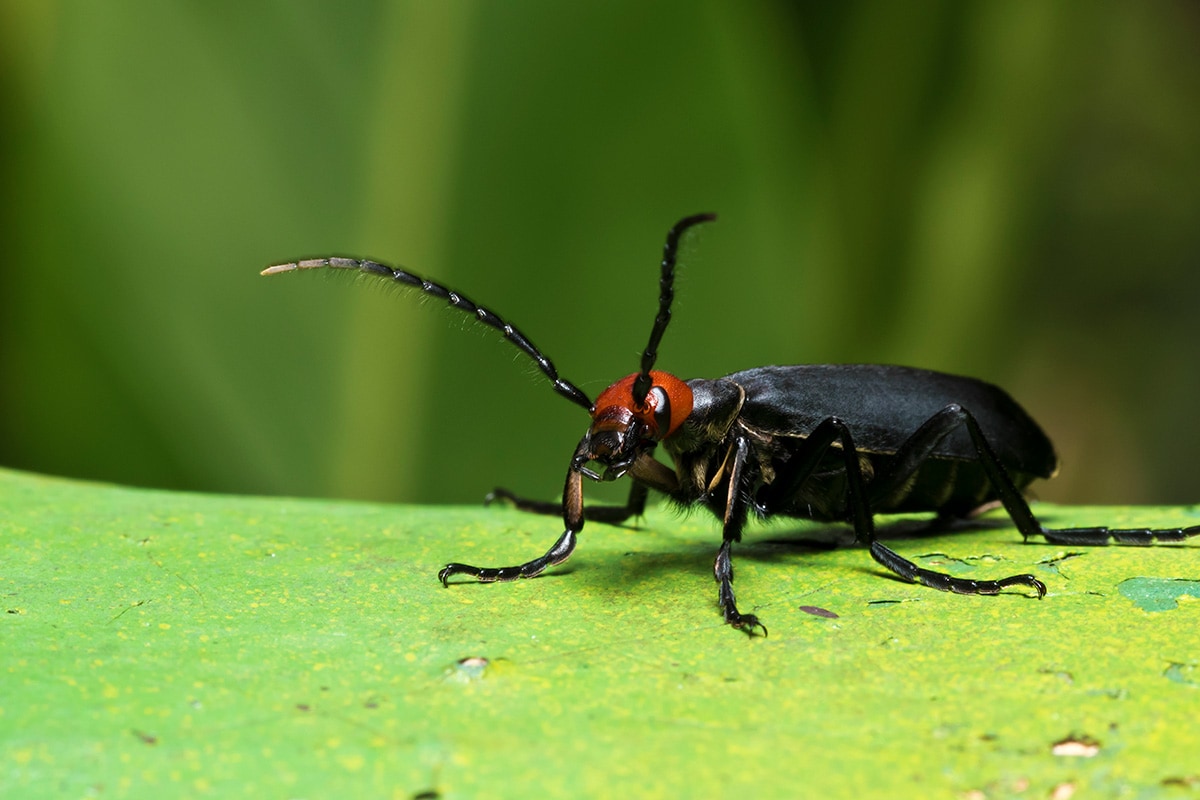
x: 456, y: 300
x: 666, y: 289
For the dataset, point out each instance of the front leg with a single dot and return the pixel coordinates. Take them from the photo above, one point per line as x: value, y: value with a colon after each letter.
x: 557, y: 554
x: 572, y: 510
x: 645, y: 472
x: 611, y: 515
x: 734, y: 520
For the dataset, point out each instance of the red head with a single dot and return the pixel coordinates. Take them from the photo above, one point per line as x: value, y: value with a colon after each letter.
x: 622, y: 429
x: 666, y: 405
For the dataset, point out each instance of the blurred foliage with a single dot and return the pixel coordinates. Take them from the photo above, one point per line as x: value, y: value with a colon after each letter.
x: 1009, y: 190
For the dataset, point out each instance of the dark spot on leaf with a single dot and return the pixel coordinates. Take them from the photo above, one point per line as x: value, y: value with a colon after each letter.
x: 303, y: 707
x: 146, y: 738
x: 1183, y: 781
x: 817, y: 611
x: 427, y: 794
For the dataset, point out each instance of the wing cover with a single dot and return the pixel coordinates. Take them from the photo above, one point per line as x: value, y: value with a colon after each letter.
x: 884, y: 405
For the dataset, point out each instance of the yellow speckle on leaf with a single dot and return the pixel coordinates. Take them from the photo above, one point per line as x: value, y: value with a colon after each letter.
x: 352, y: 762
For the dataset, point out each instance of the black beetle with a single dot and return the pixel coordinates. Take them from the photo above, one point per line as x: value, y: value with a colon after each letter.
x: 832, y: 442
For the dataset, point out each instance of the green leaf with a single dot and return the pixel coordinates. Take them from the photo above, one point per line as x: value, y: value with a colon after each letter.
x: 161, y: 644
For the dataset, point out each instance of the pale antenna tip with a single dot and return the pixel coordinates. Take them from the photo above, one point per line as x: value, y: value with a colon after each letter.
x: 278, y: 268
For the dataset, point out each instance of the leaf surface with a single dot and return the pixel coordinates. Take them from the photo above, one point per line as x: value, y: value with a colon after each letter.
x: 166, y: 644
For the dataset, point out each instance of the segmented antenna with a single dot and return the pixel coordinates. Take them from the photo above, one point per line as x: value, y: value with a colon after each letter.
x: 666, y: 289
x: 456, y: 300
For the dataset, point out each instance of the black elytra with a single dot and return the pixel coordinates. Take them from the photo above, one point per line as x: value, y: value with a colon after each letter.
x: 831, y: 442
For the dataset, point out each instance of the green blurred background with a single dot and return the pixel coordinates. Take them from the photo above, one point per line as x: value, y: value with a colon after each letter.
x: 1009, y: 190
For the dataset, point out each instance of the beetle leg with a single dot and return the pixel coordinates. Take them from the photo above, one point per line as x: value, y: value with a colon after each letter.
x: 911, y: 454
x: 646, y: 473
x: 723, y: 572
x: 736, y: 506
x: 573, y: 518
x: 557, y: 554
x: 1092, y: 537
x: 948, y: 583
x: 1018, y: 509
x: 526, y: 504
x: 611, y: 515
x: 653, y: 474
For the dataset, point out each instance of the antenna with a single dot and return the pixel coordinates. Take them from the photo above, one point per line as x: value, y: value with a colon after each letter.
x: 456, y: 300
x: 666, y: 289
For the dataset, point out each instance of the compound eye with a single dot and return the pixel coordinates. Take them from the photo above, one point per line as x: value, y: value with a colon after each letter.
x: 660, y: 401
x: 666, y: 405
x: 671, y: 400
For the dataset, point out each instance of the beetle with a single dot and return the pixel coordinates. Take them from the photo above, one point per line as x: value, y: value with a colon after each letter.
x: 829, y: 442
